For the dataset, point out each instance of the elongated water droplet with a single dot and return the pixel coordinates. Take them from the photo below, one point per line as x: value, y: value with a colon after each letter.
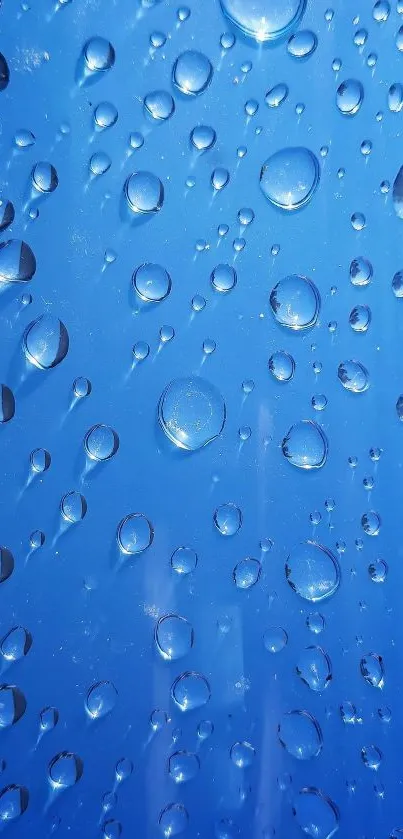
x: 349, y: 97
x: 65, y: 769
x: 173, y: 637
x: 315, y: 813
x: 300, y: 734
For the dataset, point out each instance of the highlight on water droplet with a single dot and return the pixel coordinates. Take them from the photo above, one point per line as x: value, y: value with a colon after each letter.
x: 174, y: 637
x: 289, y: 178
x: 190, y: 691
x: 264, y: 20
x: 192, y: 73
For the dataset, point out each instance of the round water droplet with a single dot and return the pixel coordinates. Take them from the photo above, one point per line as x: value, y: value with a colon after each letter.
x: 46, y: 342
x: 16, y: 644
x: 13, y: 800
x: 174, y: 637
x: 371, y: 757
x: 136, y: 140
x: 295, y: 302
x: 305, y: 445
x: 183, y: 766
x: 191, y: 412
x: 289, y: 178
x: 24, y: 138
x: 371, y: 667
x: 99, y: 55
x: 82, y: 387
x: 219, y: 178
x: 134, y: 534
x: 276, y: 95
x: 4, y: 72
x: 151, y: 282
x: 203, y: 137
x: 361, y: 271
x: 192, y: 73
x: 190, y: 691
x: 228, y: 519
x: 73, y: 507
x: 242, y: 754
x: 378, y: 571
x: 44, y: 177
x: 48, y: 719
x: 144, y: 193
x: 65, y: 769
x: 105, y: 115
x: 302, y: 45
x: 353, y: 376
x: 17, y: 262
x: 12, y: 705
x: 247, y: 573
x: 184, y: 560
x: 101, y: 699
x: 99, y: 163
x: 7, y: 212
x: 223, y: 278
x: 101, y: 442
x: 315, y: 622
x: 360, y: 318
x: 349, y: 97
x: 300, y: 734
x: 173, y: 820
x: 315, y: 813
x: 312, y: 571
x: 264, y: 20
x: 40, y: 460
x: 159, y: 105
x: 282, y: 366
x: 275, y: 639
x: 314, y: 668
x: 141, y: 351
x: 395, y: 98
x: 111, y: 829
x: 358, y: 221
x: 7, y: 404
x: 371, y: 523
x: 123, y: 769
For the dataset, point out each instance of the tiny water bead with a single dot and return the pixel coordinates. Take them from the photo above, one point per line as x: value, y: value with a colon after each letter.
x: 101, y: 442
x: 173, y: 820
x: 100, y: 163
x: 289, y: 178
x: 275, y: 639
x: 40, y: 460
x: 302, y: 45
x: 17, y: 262
x: 349, y: 97
x: 361, y: 271
x: 101, y: 699
x: 7, y: 214
x: 105, y: 116
x: 14, y: 800
x: 372, y: 670
x: 190, y: 691
x: 264, y: 20
x: 300, y: 734
x: 282, y: 366
x: 371, y: 523
x: 44, y: 177
x: 203, y: 137
x: 360, y: 318
x: 314, y: 668
x: 151, y: 282
x: 144, y: 193
x: 228, y: 519
x: 159, y: 105
x: 134, y: 534
x: 99, y: 55
x: 247, y: 573
x: 353, y: 376
x: 46, y: 342
x: 305, y: 445
x: 295, y: 302
x: 191, y: 412
x: 16, y: 644
x: 184, y: 560
x: 276, y: 95
x: 312, y: 571
x: 82, y: 387
x: 7, y: 404
x: 183, y: 766
x: 223, y: 278
x: 242, y: 754
x: 371, y: 757
x: 73, y: 507
x: 65, y: 770
x: 174, y: 637
x: 315, y: 813
x: 192, y: 73
x: 12, y: 705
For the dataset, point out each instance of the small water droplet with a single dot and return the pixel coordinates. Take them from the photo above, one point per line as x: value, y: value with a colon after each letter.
x: 101, y: 699
x: 228, y: 519
x: 173, y: 820
x: 17, y: 262
x: 184, y: 560
x: 12, y: 705
x: 183, y: 766
x: 190, y: 691
x: 295, y: 302
x: 65, y: 769
x: 371, y: 667
x: 101, y: 442
x: 159, y: 105
x: 282, y: 366
x: 349, y: 97
x: 275, y: 639
x: 314, y: 668
x: 46, y: 342
x: 174, y: 637
x: 353, y: 376
x: 144, y: 193
x: 247, y: 573
x: 16, y: 644
x: 151, y: 282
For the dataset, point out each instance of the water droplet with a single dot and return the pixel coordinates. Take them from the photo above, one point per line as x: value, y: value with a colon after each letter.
x: 361, y: 271
x: 242, y: 754
x: 219, y: 178
x: 371, y: 757
x: 134, y: 534
x: 141, y: 351
x: 48, y: 719
x: 184, y: 560
x: 315, y: 813
x: 65, y: 769
x: 349, y: 97
x: 151, y: 282
x: 101, y: 442
x: 381, y: 10
x: 4, y: 73
x: 275, y: 639
x: 300, y: 734
x: 16, y: 644
x: 12, y: 705
x: 40, y: 460
x: 46, y: 342
x: 223, y: 278
x: 17, y: 262
x: 264, y: 20
x: 105, y: 116
x: 101, y: 699
x: 144, y: 193
x: 371, y: 523
x: 111, y: 829
x: 100, y: 163
x: 378, y: 571
x: 159, y: 105
x: 7, y: 212
x: 358, y: 221
x: 123, y: 769
x: 315, y: 622
x: 295, y: 302
x: 7, y: 404
x: 13, y: 800
x: 174, y: 637
x: 312, y: 571
x: 36, y: 539
x: 371, y: 667
x: 73, y: 507
x: 6, y: 564
x: 183, y: 766
x: 136, y: 140
x: 158, y: 39
x: 289, y: 178
x: 276, y: 95
x: 303, y: 44
x: 173, y: 820
x: 44, y: 177
x: 305, y: 445
x: 353, y: 376
x: 247, y: 573
x: 228, y: 519
x: 192, y: 73
x: 190, y: 691
x: 360, y: 318
x: 395, y: 98
x: 282, y: 366
x: 191, y: 412
x: 82, y: 387
x: 203, y: 137
x: 24, y: 138
x: 314, y: 668
x: 99, y: 56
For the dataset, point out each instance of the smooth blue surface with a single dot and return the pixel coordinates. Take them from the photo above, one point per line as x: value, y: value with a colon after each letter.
x: 91, y: 611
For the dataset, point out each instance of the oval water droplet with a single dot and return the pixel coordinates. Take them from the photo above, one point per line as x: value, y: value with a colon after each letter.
x: 48, y: 719
x: 144, y: 193
x: 247, y: 573
x: 16, y: 644
x: 312, y: 571
x: 395, y: 98
x: 276, y: 95
x: 174, y: 637
x: 315, y: 813
x: 6, y: 564
x: 190, y: 691
x: 303, y: 44
x: 361, y: 271
x: 12, y: 705
x: 4, y: 72
x: 7, y: 213
x: 275, y: 639
x: 305, y: 445
x: 73, y: 507
x: 44, y: 177
x: 314, y: 668
x: 191, y: 412
x: 264, y: 20
x: 99, y: 55
x: 289, y: 178
x: 134, y: 534
x: 184, y: 560
x: 7, y: 404
x: 151, y: 282
x: 173, y: 820
x: 17, y: 262
x: 349, y: 97
x: 397, y: 193
x: 101, y: 699
x: 203, y: 137
x: 159, y: 105
x: 105, y: 115
x: 372, y: 670
x: 242, y: 754
x: 227, y: 519
x: 13, y: 801
x: 223, y: 278
x: 183, y: 766
x: 101, y: 442
x: 65, y: 769
x: 360, y: 318
x: 282, y: 366
x: 46, y: 342
x: 353, y: 376
x: 192, y: 73
x: 295, y: 302
x: 300, y: 734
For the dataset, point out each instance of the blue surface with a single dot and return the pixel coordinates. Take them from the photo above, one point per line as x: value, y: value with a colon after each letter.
x: 92, y: 611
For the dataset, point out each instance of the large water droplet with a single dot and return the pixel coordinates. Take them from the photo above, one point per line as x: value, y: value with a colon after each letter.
x: 190, y: 691
x: 12, y: 705
x: 302, y: 44
x: 65, y: 769
x: 105, y: 115
x: 144, y: 193
x: 295, y: 302
x: 101, y: 442
x: 101, y: 699
x: 13, y: 801
x: 305, y: 445
x: 300, y: 734
x: 134, y: 534
x: 191, y: 412
x: 353, y: 376
x: 17, y: 262
x: 151, y: 282
x: 289, y: 178
x: 7, y: 404
x: 16, y: 644
x: 223, y: 278
x: 312, y: 571
x: 7, y: 214
x: 192, y: 73
x: 44, y: 177
x: 264, y: 20
x: 183, y: 766
x: 46, y: 342
x: 314, y: 668
x: 173, y: 820
x: 203, y: 137
x: 173, y: 637
x: 315, y: 813
x: 99, y: 55
x: 159, y: 105
x: 349, y: 97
